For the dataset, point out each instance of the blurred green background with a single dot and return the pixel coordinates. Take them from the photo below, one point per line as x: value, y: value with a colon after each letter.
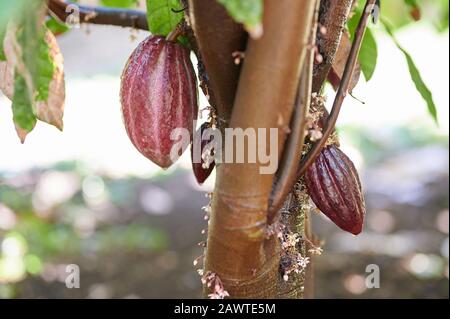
x: 87, y: 197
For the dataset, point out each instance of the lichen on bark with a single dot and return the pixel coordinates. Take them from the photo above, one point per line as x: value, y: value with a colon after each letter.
x: 296, y: 255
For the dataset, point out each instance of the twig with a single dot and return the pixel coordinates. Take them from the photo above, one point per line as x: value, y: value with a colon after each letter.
x: 287, y: 174
x: 99, y: 15
x: 342, y: 91
x: 289, y: 163
x: 333, y: 15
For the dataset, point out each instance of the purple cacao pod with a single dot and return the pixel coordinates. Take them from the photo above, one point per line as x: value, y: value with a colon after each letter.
x: 333, y: 184
x: 202, y: 165
x: 158, y: 94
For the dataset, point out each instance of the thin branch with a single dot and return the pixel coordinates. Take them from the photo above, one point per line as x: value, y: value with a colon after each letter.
x: 342, y: 91
x: 62, y: 10
x: 289, y: 163
x: 287, y: 174
x: 333, y: 15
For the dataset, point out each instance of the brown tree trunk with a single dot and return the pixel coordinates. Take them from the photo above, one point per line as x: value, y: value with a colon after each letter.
x: 333, y: 15
x: 294, y: 216
x: 237, y: 248
x: 218, y: 37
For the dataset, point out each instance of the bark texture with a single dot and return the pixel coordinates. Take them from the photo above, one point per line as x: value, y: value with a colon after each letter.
x: 333, y: 15
x: 218, y: 37
x: 295, y: 220
x: 238, y: 250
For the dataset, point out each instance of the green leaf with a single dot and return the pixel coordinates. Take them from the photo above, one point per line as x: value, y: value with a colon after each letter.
x: 22, y: 105
x: 119, y: 3
x: 2, y: 38
x: 56, y: 27
x: 412, y: 3
x: 248, y: 12
x: 45, y: 70
x: 415, y: 75
x: 35, y: 50
x: 161, y: 15
x: 35, y: 62
x: 440, y: 17
x: 368, y: 54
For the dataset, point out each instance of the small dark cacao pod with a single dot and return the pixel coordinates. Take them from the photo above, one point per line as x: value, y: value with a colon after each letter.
x: 333, y: 184
x: 158, y: 94
x: 203, y: 164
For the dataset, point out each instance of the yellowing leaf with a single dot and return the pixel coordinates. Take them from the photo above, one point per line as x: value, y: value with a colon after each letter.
x: 47, y: 100
x: 7, y: 79
x: 51, y: 110
x: 22, y: 104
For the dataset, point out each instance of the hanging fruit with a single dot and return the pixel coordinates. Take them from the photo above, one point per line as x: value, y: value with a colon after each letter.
x: 204, y: 164
x: 334, y: 186
x: 158, y: 95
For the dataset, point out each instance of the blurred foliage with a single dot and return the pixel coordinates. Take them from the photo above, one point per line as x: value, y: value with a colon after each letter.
x: 368, y: 54
x: 32, y: 236
x: 55, y: 26
x: 103, y: 215
x: 393, y: 18
x: 433, y: 12
x: 9, y: 9
x: 415, y: 75
x: 119, y: 3
x: 377, y: 144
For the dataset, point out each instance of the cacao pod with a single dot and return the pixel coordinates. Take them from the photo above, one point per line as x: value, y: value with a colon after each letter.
x: 158, y: 94
x: 333, y: 184
x: 204, y: 164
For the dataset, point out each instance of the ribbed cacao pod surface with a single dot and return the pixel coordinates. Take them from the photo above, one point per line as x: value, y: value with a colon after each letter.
x: 333, y: 184
x: 202, y: 164
x: 158, y: 94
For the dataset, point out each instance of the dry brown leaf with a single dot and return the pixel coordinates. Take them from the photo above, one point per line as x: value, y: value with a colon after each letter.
x: 6, y: 79
x: 337, y: 70
x: 21, y: 133
x: 50, y: 111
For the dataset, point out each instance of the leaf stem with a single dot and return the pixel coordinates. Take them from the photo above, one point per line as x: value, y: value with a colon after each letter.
x: 294, y: 144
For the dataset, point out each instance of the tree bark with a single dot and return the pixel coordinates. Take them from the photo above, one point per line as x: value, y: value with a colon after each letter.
x: 218, y: 37
x: 295, y: 220
x: 295, y: 213
x: 237, y: 248
x: 333, y: 15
